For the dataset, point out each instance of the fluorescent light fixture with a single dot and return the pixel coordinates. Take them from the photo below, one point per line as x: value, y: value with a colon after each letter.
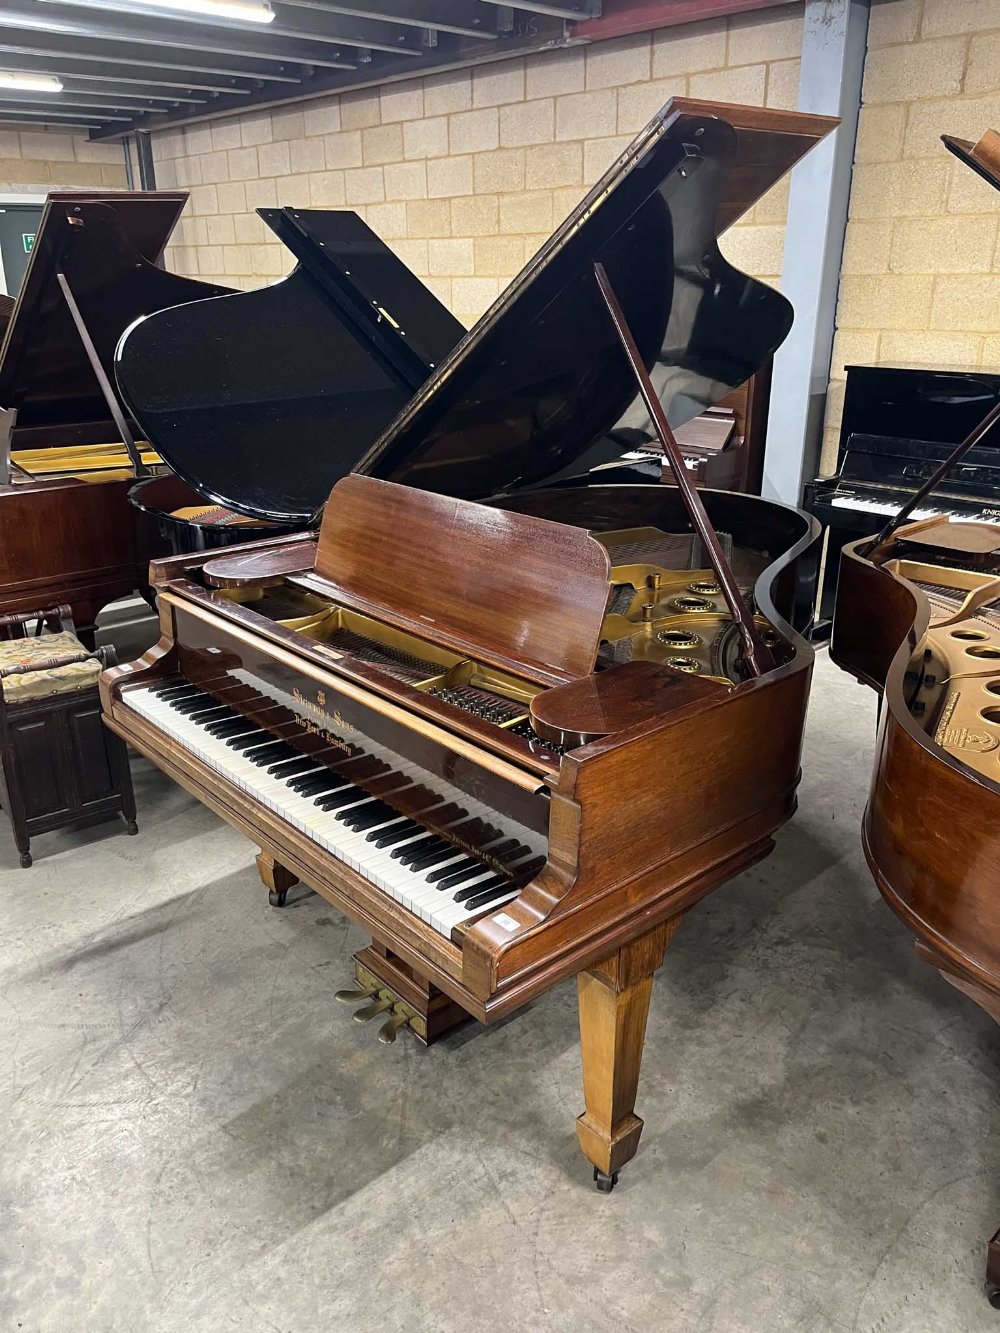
x: 245, y: 11
x: 35, y: 83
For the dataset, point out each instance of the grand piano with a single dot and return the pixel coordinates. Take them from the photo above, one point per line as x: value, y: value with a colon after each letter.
x: 918, y: 619
x: 68, y: 452
x: 512, y: 724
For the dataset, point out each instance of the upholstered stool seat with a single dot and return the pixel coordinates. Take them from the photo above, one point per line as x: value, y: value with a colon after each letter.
x: 59, y: 765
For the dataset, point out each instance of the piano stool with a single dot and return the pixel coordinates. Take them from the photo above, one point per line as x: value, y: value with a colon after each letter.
x: 60, y: 766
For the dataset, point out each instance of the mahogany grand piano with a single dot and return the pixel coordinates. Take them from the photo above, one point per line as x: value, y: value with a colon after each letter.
x: 515, y: 725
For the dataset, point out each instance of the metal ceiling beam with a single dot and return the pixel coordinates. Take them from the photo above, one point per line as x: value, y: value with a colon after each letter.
x: 464, y: 18
x: 570, y: 11
x: 84, y: 97
x: 321, y: 25
x: 29, y: 102
x: 139, y: 33
x: 455, y: 53
x: 67, y: 121
x: 69, y: 53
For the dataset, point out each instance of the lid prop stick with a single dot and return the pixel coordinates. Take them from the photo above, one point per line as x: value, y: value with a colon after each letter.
x: 756, y: 655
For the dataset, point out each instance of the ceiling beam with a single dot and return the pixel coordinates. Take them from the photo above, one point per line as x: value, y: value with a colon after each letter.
x: 136, y: 33
x: 570, y: 10
x: 69, y: 102
x: 464, y: 18
x: 69, y: 54
x: 67, y: 121
x: 457, y: 53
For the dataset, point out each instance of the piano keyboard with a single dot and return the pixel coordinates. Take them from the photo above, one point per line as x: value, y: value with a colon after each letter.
x: 440, y: 854
x: 865, y: 505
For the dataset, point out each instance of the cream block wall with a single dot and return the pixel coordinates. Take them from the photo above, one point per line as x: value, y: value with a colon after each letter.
x: 921, y: 272
x: 36, y: 161
x: 466, y: 174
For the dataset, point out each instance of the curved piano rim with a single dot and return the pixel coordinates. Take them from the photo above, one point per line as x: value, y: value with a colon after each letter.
x: 911, y: 766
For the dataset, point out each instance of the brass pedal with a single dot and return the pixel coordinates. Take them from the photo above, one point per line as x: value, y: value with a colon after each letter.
x: 355, y: 996
x: 397, y: 1019
x: 379, y: 1005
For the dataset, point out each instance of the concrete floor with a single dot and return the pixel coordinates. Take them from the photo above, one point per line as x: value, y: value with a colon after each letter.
x: 195, y: 1137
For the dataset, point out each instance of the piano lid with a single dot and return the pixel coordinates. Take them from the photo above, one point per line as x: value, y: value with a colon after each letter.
x: 107, y: 248
x: 983, y: 156
x: 262, y: 400
x: 540, y: 389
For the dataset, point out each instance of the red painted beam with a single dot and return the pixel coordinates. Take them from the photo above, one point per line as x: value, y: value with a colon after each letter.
x: 622, y: 17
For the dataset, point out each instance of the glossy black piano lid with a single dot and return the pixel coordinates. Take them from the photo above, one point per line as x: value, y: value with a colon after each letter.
x: 107, y: 247
x: 263, y: 399
x: 541, y: 389
x: 917, y: 403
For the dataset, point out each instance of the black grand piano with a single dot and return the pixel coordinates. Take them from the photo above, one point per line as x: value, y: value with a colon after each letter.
x: 262, y: 399
x: 899, y: 424
x: 68, y: 448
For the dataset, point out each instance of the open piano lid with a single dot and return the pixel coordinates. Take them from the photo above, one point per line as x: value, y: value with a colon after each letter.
x: 107, y: 247
x: 983, y: 156
x: 540, y: 389
x: 262, y: 400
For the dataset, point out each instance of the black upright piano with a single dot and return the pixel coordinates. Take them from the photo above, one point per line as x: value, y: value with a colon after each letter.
x: 899, y: 423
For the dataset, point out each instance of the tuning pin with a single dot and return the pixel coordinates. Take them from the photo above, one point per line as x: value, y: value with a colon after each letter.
x: 354, y: 996
x: 370, y: 1011
x: 647, y: 610
x: 387, y: 1032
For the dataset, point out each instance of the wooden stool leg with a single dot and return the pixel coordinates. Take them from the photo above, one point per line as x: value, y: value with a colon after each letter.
x: 614, y: 1001
x: 278, y: 879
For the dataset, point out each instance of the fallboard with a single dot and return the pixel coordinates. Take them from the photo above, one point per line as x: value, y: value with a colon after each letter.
x: 341, y: 715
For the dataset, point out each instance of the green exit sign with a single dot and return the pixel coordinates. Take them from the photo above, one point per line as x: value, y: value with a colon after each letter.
x: 28, y: 241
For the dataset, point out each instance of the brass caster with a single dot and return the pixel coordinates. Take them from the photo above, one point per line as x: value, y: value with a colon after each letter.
x: 276, y: 897
x: 378, y: 1006
x: 387, y: 1032
x: 354, y: 996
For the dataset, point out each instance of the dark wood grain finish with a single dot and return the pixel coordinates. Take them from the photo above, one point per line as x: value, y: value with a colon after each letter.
x: 68, y: 541
x: 630, y: 695
x: 930, y: 825
x: 485, y: 574
x: 261, y: 568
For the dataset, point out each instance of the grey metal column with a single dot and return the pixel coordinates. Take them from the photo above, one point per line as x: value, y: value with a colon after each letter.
x: 833, y: 59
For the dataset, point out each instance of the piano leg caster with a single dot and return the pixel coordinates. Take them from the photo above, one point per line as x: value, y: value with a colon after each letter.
x: 25, y: 859
x: 614, y: 1002
x: 277, y: 879
x: 604, y: 1182
x: 131, y: 827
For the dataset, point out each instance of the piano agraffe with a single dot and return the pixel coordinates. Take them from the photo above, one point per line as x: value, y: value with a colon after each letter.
x: 517, y: 740
x: 918, y: 618
x: 69, y: 451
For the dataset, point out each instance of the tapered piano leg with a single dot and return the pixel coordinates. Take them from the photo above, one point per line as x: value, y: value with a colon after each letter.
x: 614, y: 1001
x: 993, y: 1272
x: 278, y: 879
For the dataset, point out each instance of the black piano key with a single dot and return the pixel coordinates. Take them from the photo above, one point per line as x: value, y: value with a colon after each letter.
x: 194, y: 704
x: 250, y: 739
x: 312, y: 784
x: 386, y: 837
x: 528, y: 870
x: 505, y: 851
x: 172, y: 691
x: 473, y: 890
x: 405, y: 854
x: 267, y: 754
x: 368, y: 817
x: 218, y: 713
x: 225, y: 729
x: 337, y: 799
x: 483, y: 899
x: 290, y: 768
x: 446, y: 877
x: 434, y: 858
